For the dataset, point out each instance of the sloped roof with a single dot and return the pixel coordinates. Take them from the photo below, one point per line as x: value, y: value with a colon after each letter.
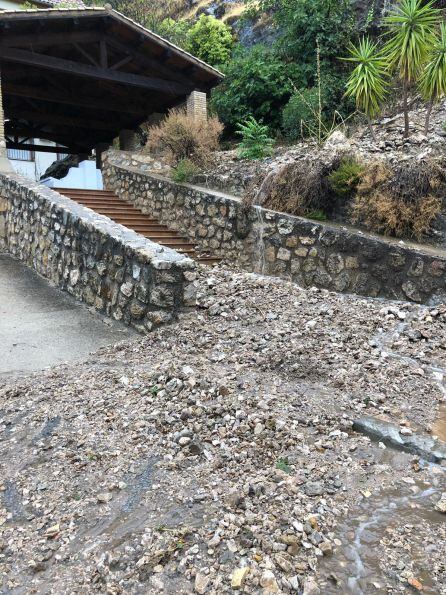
x: 83, y: 74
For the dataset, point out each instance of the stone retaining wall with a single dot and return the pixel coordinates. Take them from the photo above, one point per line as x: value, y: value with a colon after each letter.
x: 306, y: 252
x: 111, y: 268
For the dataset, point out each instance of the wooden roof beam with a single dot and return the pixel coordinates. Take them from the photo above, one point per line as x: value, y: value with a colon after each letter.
x: 18, y: 56
x: 69, y: 98
x: 69, y: 121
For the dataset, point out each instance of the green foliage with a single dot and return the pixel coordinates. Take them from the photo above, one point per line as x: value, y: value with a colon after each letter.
x: 299, y: 116
x: 317, y: 215
x: 174, y: 30
x: 257, y: 83
x: 411, y: 33
x: 283, y: 465
x: 344, y: 180
x: 256, y: 142
x: 210, y: 40
x: 367, y: 82
x: 433, y: 77
x: 184, y: 171
x: 305, y: 22
x: 411, y: 29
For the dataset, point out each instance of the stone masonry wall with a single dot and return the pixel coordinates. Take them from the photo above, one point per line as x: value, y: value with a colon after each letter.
x: 111, y: 268
x: 305, y: 252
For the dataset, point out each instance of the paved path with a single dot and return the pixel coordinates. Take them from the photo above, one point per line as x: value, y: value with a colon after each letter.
x: 42, y: 326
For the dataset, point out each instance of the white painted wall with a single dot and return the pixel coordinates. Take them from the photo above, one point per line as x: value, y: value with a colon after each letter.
x: 35, y: 169
x: 84, y: 176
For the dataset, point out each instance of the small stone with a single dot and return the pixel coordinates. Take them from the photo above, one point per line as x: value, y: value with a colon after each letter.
x: 238, y: 577
x: 440, y: 506
x: 201, y: 582
x: 104, y: 497
x: 268, y: 581
x: 314, y: 488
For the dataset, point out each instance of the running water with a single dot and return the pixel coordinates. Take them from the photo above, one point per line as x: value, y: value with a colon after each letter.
x: 261, y: 263
x: 355, y: 569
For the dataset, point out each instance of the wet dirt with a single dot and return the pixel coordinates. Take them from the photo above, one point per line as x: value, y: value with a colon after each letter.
x: 439, y: 427
x: 356, y: 567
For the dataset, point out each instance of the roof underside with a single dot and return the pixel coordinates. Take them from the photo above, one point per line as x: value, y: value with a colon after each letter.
x: 78, y: 77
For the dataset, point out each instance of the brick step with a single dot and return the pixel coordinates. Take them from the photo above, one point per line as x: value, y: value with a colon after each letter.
x: 107, y: 203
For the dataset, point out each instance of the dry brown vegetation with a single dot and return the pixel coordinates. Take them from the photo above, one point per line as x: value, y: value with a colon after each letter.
x: 180, y: 137
x: 296, y: 188
x: 400, y: 200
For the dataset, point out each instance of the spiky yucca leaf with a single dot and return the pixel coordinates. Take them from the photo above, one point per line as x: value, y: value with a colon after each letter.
x: 433, y: 77
x: 411, y: 28
x: 367, y: 83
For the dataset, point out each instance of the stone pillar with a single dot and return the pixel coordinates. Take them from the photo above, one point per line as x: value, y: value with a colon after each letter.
x: 99, y: 149
x: 128, y: 140
x: 5, y: 164
x: 196, y: 105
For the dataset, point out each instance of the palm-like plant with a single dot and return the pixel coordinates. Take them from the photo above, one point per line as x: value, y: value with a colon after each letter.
x: 367, y: 83
x: 411, y: 28
x: 433, y: 77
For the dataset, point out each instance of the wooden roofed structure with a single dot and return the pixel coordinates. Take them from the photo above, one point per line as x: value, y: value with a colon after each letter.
x: 79, y: 77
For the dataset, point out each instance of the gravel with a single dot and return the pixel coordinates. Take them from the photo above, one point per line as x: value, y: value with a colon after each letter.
x: 217, y: 454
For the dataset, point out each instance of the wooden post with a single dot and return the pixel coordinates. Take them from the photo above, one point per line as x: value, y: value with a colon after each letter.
x: 128, y: 140
x: 5, y: 165
x: 99, y: 149
x: 196, y: 105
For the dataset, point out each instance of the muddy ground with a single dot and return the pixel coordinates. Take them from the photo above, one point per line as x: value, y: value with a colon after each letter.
x: 217, y: 454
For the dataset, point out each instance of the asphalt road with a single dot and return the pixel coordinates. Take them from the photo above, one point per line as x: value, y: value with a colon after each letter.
x: 41, y: 326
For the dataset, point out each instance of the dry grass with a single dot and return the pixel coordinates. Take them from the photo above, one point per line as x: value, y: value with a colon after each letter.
x: 402, y: 201
x: 180, y: 137
x: 296, y: 188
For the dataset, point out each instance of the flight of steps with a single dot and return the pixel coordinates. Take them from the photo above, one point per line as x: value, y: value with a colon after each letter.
x: 108, y: 203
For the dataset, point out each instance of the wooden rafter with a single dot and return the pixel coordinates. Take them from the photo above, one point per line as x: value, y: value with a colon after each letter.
x: 68, y: 98
x: 150, y: 83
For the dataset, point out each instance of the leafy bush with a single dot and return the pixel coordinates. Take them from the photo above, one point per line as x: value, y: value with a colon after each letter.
x: 180, y: 137
x: 174, y: 30
x: 345, y: 179
x: 257, y: 83
x: 403, y: 201
x: 256, y: 142
x: 210, y: 40
x: 304, y: 23
x: 299, y: 116
x: 184, y: 171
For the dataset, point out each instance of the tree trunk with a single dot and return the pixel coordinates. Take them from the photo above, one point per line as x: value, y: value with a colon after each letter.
x: 428, y: 117
x: 406, y: 111
x: 372, y: 132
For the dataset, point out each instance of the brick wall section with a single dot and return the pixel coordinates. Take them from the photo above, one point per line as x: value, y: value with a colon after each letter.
x: 303, y: 251
x: 113, y: 269
x: 196, y: 105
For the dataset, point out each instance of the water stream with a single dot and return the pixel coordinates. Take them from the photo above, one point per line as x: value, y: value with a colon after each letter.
x: 355, y: 568
x: 261, y: 263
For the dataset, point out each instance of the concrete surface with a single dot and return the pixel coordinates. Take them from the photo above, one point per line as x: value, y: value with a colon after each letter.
x: 41, y: 326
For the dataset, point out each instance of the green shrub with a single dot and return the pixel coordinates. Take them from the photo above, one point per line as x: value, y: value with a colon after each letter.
x: 317, y: 215
x: 174, y: 30
x: 299, y: 116
x: 344, y: 180
x: 210, y: 40
x: 258, y: 83
x: 184, y: 171
x: 256, y: 142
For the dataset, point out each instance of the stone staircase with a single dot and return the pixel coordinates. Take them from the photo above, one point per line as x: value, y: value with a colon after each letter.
x: 108, y: 203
